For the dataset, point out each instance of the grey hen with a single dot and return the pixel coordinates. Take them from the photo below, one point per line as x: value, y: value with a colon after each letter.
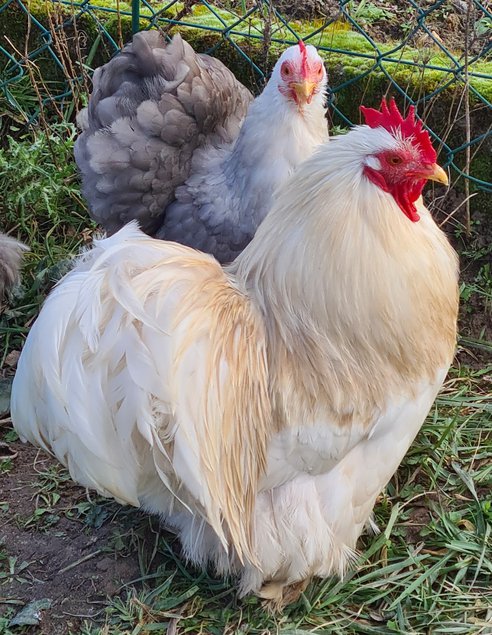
x: 163, y: 141
x: 10, y: 262
x: 151, y: 107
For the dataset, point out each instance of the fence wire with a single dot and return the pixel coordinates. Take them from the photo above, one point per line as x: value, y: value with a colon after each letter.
x: 424, y: 51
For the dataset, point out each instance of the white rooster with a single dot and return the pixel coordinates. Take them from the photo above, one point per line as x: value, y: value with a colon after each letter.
x: 258, y: 409
x: 165, y: 141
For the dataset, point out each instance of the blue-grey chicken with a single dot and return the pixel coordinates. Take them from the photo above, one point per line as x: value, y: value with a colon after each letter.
x: 170, y: 138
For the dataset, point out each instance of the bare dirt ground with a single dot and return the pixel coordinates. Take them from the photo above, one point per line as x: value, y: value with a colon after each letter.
x: 56, y: 552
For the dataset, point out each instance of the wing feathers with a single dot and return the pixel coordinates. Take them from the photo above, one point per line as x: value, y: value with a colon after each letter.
x: 155, y: 354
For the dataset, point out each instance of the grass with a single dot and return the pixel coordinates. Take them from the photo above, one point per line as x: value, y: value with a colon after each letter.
x: 428, y: 571
x: 41, y: 203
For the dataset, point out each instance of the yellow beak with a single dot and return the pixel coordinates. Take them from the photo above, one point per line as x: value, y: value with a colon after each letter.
x: 436, y: 174
x: 304, y: 90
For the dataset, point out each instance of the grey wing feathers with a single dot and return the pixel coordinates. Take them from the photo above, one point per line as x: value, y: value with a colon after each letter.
x: 204, y: 228
x: 151, y: 107
x: 10, y: 262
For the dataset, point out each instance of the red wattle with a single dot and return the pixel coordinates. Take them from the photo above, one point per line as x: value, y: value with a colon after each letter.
x: 405, y: 193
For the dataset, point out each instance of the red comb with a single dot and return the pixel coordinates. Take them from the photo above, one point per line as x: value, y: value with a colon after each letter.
x: 304, y: 64
x: 391, y: 119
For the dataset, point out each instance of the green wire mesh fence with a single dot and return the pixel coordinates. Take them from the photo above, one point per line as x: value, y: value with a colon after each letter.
x: 434, y: 54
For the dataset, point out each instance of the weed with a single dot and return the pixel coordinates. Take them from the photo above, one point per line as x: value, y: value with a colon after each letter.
x: 11, y: 568
x: 48, y: 484
x: 5, y: 465
x: 367, y: 12
x: 483, y: 26
x: 10, y: 436
x: 4, y: 621
x: 42, y: 206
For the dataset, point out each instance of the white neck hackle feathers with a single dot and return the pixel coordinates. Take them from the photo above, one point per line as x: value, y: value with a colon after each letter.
x: 353, y: 294
x: 275, y: 138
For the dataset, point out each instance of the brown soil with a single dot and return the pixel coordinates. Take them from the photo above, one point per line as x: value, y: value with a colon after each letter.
x: 68, y: 562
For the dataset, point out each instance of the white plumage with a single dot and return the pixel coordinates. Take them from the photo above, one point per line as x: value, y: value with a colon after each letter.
x: 260, y: 409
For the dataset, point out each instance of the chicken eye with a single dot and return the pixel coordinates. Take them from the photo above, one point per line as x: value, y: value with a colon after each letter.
x: 320, y: 71
x: 395, y: 160
x: 285, y: 70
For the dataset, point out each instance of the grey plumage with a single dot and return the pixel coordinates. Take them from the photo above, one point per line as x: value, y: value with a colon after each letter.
x: 166, y: 141
x: 10, y: 261
x: 151, y: 107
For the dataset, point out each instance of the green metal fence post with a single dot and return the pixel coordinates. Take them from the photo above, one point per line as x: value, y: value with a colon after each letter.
x: 135, y: 16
